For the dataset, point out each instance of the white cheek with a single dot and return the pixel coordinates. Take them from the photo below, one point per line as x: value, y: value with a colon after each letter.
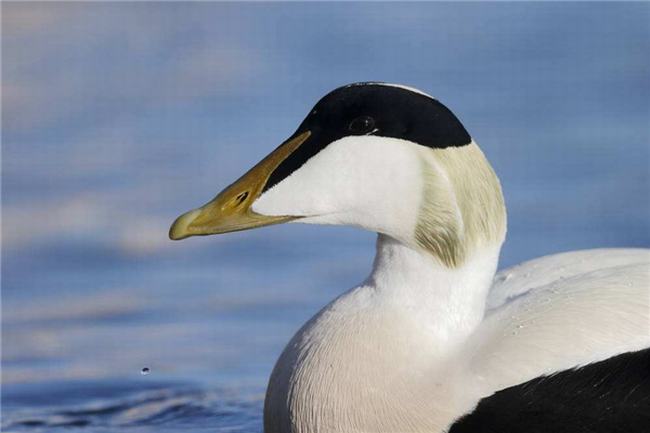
x: 370, y: 182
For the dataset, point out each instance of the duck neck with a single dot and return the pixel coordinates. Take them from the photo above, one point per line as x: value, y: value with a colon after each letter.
x: 448, y: 303
x: 379, y: 357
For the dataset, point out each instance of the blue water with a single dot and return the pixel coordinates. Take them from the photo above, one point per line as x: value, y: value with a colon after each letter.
x: 118, y: 117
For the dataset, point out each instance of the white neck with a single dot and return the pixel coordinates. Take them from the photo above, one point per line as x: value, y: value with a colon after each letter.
x: 364, y: 361
x: 448, y: 302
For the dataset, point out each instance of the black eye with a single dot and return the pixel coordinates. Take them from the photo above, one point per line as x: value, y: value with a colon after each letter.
x: 362, y: 125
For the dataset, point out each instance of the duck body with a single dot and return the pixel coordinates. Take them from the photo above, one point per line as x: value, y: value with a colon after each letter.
x: 432, y: 341
x: 389, y: 369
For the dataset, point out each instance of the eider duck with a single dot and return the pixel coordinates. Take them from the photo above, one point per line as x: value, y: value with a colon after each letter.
x: 432, y: 341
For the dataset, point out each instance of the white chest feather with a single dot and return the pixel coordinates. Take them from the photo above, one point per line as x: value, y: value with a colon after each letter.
x: 411, y: 351
x: 380, y: 358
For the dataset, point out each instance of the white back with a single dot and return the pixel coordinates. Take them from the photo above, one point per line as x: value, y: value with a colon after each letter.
x: 562, y: 311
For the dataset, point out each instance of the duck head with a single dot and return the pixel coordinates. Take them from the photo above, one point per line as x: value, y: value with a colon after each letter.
x: 386, y: 158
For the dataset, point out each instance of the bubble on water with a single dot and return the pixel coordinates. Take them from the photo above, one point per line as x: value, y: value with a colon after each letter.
x: 145, y: 371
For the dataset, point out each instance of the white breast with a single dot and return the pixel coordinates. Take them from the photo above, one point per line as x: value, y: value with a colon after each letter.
x: 364, y: 364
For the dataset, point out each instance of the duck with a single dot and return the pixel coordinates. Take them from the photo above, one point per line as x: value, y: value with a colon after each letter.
x: 435, y: 340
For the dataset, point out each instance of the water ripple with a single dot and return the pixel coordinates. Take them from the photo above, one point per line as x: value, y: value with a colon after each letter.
x: 156, y: 410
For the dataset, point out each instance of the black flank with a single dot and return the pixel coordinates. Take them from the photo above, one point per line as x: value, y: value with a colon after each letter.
x: 611, y: 396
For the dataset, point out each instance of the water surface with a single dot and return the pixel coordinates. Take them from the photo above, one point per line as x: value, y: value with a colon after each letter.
x: 118, y: 117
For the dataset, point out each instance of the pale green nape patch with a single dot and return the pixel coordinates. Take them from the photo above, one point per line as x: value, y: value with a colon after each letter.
x: 462, y: 206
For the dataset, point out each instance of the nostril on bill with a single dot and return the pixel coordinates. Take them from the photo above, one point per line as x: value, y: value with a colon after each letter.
x: 241, y: 197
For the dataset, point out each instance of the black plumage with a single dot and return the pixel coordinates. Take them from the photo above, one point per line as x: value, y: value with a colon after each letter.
x: 610, y: 396
x: 373, y: 109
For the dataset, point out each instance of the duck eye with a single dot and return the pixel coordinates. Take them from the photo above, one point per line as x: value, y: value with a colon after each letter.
x: 362, y: 125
